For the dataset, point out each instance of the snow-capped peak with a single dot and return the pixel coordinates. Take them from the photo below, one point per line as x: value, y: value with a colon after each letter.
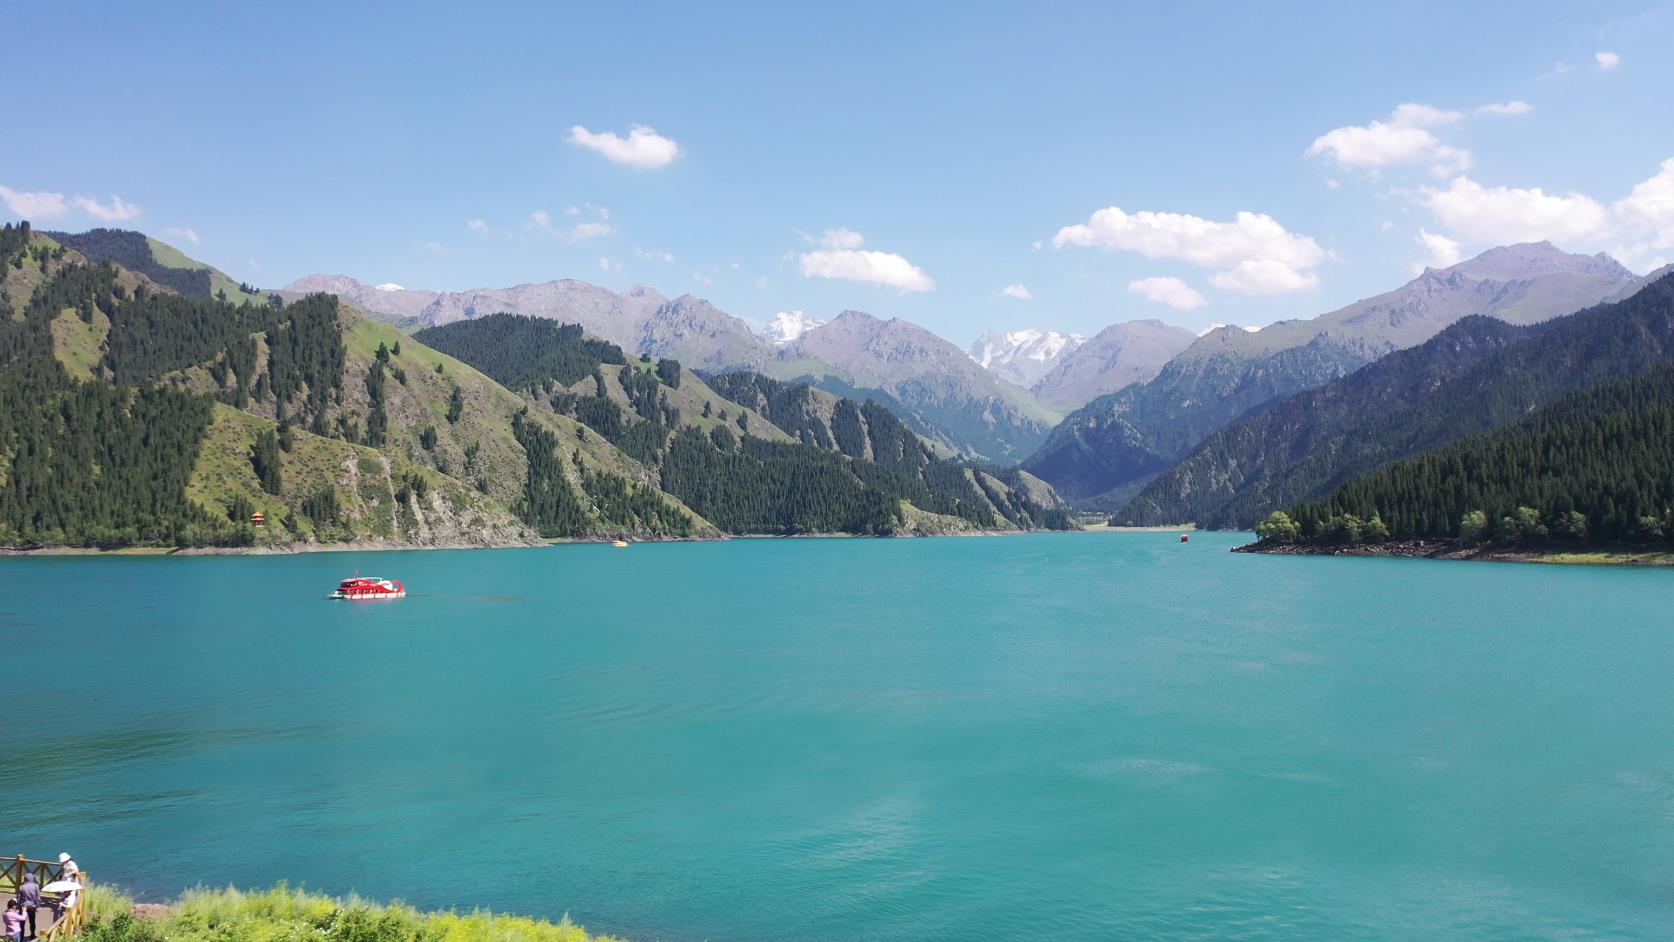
x: 786, y: 326
x: 389, y: 286
x: 1032, y: 344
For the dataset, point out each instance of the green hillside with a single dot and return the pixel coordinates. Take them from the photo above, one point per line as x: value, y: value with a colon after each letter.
x: 136, y: 415
x: 140, y: 415
x: 161, y: 263
x: 721, y: 451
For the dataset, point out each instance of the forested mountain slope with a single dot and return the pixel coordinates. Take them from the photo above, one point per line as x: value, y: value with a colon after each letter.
x: 736, y: 466
x: 1231, y: 373
x: 1418, y: 400
x: 1229, y: 481
x: 932, y: 384
x: 867, y: 430
x: 1592, y: 466
x: 158, y: 261
x: 135, y: 415
x: 926, y: 380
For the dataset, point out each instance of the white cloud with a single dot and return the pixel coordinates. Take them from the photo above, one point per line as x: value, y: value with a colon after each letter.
x: 1443, y: 252
x: 1647, y: 212
x: 436, y: 247
x: 642, y: 149
x: 477, y: 225
x: 701, y: 279
x: 572, y: 210
x: 1501, y: 214
x: 589, y: 230
x: 609, y: 264
x: 1019, y: 292
x: 1414, y: 115
x: 761, y: 281
x: 1262, y: 276
x: 1332, y: 184
x: 1385, y: 225
x: 1170, y: 291
x: 840, y: 239
x: 1607, y: 60
x: 880, y: 268
x: 1505, y: 108
x: 1404, y: 138
x: 581, y: 232
x: 37, y: 205
x: 1635, y: 229
x: 117, y: 210
x: 1254, y: 253
x: 183, y: 233
x: 654, y: 256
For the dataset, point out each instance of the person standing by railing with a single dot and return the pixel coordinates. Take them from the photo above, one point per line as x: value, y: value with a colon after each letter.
x: 29, y: 894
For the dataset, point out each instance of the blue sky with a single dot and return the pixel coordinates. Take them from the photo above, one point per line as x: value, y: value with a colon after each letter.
x: 910, y: 160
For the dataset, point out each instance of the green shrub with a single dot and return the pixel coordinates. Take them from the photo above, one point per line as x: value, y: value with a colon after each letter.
x: 283, y: 914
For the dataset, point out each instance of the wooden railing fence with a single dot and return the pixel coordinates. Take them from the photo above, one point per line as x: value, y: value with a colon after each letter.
x: 66, y: 920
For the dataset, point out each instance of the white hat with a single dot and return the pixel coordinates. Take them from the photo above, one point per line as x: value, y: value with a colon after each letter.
x: 63, y: 858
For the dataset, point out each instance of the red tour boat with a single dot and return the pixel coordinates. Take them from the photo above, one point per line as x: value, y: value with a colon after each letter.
x: 370, y: 587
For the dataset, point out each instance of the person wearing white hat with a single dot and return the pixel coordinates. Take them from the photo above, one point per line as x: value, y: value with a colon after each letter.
x: 68, y: 870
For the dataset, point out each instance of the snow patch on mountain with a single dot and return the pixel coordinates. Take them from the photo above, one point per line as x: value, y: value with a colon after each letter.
x: 787, y: 326
x: 1214, y: 327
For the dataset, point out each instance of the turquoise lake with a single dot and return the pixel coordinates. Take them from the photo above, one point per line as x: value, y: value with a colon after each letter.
x: 1061, y: 737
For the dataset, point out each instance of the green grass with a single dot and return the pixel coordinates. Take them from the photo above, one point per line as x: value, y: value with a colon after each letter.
x: 223, y: 470
x: 283, y: 914
x: 170, y: 257
x: 77, y: 344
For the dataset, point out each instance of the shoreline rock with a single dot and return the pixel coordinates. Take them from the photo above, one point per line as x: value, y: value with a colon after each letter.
x: 1608, y: 555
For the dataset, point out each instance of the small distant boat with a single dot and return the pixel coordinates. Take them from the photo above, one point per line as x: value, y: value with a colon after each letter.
x: 1185, y: 537
x: 619, y: 544
x: 369, y: 587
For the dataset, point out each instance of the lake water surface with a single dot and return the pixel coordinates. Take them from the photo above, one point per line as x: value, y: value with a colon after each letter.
x: 1060, y: 737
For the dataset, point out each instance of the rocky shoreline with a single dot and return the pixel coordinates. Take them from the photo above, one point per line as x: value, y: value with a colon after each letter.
x: 382, y: 547
x: 1458, y: 549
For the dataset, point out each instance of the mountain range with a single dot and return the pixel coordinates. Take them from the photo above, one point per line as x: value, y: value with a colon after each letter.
x: 1477, y: 375
x: 930, y: 382
x: 1117, y: 441
x: 1165, y: 426
x: 138, y: 413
